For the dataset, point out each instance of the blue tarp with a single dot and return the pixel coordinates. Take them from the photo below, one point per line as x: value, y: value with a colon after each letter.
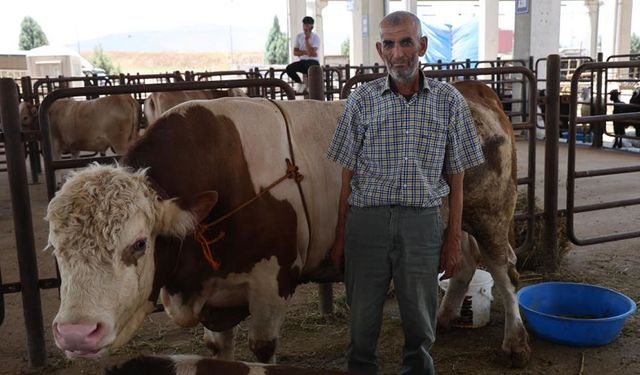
x: 449, y: 42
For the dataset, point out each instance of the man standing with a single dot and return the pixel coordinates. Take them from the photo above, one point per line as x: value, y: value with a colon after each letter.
x: 305, y: 47
x: 403, y: 141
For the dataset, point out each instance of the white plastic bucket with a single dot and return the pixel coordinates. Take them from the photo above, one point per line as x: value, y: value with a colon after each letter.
x: 476, y: 308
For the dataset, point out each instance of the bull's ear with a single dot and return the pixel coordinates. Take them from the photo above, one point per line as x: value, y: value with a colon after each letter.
x: 178, y: 219
x: 203, y: 204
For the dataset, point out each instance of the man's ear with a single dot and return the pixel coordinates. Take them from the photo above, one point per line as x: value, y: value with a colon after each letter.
x: 379, y: 49
x: 33, y: 109
x: 423, y: 45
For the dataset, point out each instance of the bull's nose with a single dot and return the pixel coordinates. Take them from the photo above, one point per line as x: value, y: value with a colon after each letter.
x: 83, y: 337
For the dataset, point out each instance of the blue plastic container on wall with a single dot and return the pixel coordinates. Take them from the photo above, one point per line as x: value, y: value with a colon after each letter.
x: 573, y: 313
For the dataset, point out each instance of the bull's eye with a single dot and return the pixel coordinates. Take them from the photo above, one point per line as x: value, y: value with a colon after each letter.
x: 135, y: 251
x: 140, y: 245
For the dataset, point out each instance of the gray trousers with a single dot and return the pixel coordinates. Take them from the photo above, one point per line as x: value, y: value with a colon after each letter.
x: 392, y: 243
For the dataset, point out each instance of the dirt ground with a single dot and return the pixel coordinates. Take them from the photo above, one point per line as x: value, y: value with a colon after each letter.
x: 311, y: 340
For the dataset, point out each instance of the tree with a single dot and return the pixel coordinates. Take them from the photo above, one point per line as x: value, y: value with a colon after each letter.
x: 635, y: 43
x: 344, y: 47
x: 277, y: 48
x: 31, y: 35
x: 100, y: 60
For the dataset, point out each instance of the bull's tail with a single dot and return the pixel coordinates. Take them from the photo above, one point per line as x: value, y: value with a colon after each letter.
x: 149, y: 109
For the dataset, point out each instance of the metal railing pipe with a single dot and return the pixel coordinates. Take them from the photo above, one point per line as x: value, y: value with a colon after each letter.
x: 316, y: 92
x: 552, y: 125
x: 23, y: 225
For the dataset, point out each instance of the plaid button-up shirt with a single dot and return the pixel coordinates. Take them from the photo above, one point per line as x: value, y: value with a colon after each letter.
x: 401, y: 149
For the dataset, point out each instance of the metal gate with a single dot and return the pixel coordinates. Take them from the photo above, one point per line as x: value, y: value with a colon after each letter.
x: 573, y: 175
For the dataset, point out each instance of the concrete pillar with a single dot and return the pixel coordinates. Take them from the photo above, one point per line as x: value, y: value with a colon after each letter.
x: 410, y: 6
x: 622, y: 35
x: 319, y: 26
x: 537, y: 32
x: 297, y: 11
x: 367, y: 14
x: 607, y: 27
x: 488, y: 30
x: 594, y: 14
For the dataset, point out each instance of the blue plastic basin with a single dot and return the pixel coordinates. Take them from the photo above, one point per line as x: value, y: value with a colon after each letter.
x: 573, y: 313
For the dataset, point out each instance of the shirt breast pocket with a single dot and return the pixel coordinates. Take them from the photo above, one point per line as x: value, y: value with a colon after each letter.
x: 430, y: 148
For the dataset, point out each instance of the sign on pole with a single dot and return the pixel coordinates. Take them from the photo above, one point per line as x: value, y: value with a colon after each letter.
x: 522, y: 6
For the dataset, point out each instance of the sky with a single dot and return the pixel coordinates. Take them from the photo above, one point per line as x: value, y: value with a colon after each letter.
x: 67, y: 21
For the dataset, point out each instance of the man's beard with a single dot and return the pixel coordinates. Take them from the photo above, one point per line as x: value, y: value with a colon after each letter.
x: 405, y: 74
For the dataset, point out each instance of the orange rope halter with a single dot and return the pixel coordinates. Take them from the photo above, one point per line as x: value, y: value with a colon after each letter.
x: 206, y: 249
x: 292, y: 172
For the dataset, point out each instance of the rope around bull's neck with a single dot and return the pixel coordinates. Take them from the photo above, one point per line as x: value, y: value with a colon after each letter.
x: 291, y: 172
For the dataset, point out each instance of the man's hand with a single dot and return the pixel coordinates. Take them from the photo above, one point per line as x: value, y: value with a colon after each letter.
x: 450, y: 256
x: 337, y: 253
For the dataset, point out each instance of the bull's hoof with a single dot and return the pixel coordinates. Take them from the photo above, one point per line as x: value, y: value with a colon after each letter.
x: 263, y: 349
x: 519, y: 359
x: 519, y: 352
x: 220, y: 345
x: 445, y: 322
x: 214, y: 348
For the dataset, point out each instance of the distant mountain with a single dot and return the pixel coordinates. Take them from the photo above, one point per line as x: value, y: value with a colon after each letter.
x: 211, y: 38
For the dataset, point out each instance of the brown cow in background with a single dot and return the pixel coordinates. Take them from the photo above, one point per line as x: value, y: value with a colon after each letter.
x: 158, y: 103
x: 90, y: 125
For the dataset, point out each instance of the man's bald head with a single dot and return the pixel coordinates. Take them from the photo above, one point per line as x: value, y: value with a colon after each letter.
x: 399, y: 17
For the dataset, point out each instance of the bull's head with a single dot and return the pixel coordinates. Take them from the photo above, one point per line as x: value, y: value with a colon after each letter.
x: 102, y: 226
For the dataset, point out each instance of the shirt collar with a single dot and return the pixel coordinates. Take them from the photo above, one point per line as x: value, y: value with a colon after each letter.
x: 389, y: 87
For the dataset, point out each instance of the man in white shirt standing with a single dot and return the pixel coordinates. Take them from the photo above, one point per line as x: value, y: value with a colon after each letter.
x: 305, y: 46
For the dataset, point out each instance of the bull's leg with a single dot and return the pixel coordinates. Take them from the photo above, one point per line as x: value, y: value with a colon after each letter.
x: 119, y: 146
x: 265, y: 325
x: 267, y: 308
x: 56, y: 154
x: 449, y: 311
x: 221, y: 344
x: 503, y: 270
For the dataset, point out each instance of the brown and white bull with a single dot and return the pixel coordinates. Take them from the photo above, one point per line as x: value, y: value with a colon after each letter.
x: 90, y: 125
x: 158, y: 103
x: 123, y: 235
